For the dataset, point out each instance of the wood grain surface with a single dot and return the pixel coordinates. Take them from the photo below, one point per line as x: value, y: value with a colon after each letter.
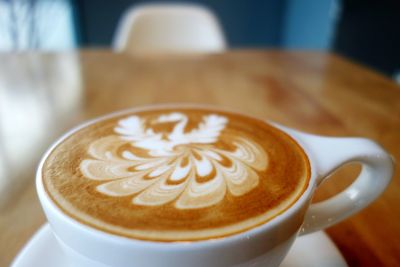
x: 43, y: 95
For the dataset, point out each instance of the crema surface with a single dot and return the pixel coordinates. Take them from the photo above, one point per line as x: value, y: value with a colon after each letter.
x: 181, y: 174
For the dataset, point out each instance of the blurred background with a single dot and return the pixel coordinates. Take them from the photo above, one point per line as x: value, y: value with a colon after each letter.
x: 45, y: 93
x: 366, y: 31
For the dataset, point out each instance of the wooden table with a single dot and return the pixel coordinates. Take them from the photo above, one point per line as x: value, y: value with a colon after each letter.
x: 42, y: 95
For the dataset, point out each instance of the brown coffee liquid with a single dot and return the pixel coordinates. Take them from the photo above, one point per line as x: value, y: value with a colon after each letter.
x: 176, y: 174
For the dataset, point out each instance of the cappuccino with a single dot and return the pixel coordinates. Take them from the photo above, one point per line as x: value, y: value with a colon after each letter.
x: 176, y: 174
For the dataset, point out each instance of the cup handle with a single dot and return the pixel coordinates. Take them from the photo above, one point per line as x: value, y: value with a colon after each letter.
x: 329, y: 154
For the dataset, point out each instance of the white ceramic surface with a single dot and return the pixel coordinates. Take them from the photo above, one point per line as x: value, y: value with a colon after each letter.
x: 313, y: 250
x: 264, y: 245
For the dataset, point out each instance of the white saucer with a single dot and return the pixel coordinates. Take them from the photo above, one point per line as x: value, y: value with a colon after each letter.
x: 313, y: 250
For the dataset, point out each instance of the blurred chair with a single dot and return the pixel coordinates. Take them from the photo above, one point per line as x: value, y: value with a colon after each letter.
x: 169, y: 28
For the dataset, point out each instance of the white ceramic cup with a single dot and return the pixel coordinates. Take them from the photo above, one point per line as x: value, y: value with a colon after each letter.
x: 265, y: 245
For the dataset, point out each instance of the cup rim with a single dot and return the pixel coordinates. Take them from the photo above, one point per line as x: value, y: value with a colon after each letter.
x: 45, y: 199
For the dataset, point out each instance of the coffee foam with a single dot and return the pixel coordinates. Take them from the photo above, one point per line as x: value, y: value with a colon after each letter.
x: 186, y: 168
x: 172, y: 175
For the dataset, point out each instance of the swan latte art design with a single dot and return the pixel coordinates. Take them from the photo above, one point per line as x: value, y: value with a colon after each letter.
x: 178, y: 165
x: 175, y: 174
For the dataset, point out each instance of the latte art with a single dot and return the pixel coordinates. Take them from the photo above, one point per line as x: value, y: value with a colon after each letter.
x: 179, y: 166
x: 175, y: 174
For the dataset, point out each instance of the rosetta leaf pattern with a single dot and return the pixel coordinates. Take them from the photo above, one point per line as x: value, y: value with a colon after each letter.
x: 185, y: 169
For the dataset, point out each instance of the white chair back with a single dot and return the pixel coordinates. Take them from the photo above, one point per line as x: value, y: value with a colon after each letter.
x: 167, y: 28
